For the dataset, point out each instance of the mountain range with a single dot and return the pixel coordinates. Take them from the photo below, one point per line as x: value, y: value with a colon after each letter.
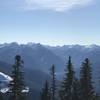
x: 39, y: 58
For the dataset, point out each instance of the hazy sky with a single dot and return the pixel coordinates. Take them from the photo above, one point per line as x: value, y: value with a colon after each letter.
x: 53, y: 22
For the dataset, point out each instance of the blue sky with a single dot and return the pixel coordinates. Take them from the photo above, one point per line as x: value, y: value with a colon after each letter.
x: 53, y: 22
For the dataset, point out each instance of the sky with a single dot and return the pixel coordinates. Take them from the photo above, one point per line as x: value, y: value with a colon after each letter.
x: 50, y: 22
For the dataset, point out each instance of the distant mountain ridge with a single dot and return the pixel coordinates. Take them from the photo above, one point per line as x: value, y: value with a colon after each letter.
x: 39, y: 58
x: 34, y: 56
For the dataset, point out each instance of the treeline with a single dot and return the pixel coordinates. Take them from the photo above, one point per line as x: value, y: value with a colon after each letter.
x: 70, y: 88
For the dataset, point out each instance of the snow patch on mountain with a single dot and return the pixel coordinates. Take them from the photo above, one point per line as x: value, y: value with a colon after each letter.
x: 4, y: 77
x: 4, y: 81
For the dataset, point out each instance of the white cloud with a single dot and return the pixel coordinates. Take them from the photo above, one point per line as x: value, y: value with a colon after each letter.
x: 56, y: 5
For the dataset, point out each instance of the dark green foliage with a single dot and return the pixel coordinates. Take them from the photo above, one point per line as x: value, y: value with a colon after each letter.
x: 76, y: 90
x: 53, y: 83
x: 1, y: 96
x: 45, y: 94
x: 66, y: 90
x: 87, y: 90
x: 17, y: 84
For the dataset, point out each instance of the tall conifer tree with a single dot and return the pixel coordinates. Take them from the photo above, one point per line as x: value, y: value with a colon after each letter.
x: 66, y: 90
x: 87, y: 90
x: 53, y: 82
x: 17, y: 84
x: 45, y: 94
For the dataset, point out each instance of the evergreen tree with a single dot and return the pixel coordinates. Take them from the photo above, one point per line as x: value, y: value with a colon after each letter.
x: 66, y: 90
x: 45, y: 94
x: 1, y: 96
x: 53, y: 83
x: 87, y: 90
x: 17, y: 84
x: 76, y: 90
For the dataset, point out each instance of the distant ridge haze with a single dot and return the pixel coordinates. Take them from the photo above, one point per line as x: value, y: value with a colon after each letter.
x: 50, y: 45
x: 36, y: 55
x: 39, y: 58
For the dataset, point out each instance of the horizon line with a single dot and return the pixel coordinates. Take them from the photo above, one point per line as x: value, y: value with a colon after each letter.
x: 59, y: 45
